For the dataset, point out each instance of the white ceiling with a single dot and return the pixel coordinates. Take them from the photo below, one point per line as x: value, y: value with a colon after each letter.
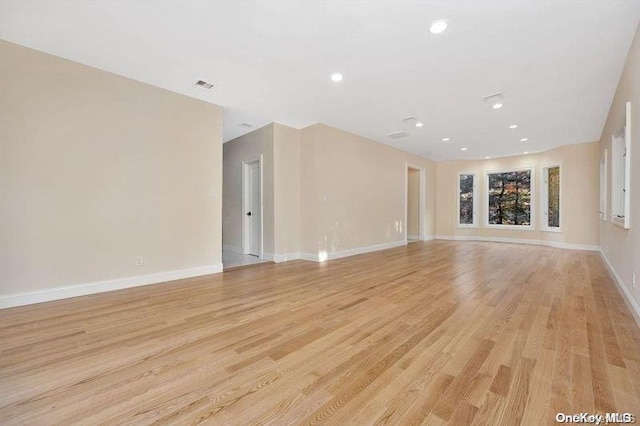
x: 557, y: 62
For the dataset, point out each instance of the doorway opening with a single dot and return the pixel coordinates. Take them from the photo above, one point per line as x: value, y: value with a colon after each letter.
x: 415, y: 201
x: 248, y: 219
x: 252, y: 211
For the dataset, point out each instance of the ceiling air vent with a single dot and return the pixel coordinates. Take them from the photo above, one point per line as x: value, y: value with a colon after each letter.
x: 246, y: 125
x: 204, y: 84
x: 397, y: 135
x: 409, y: 120
x: 492, y: 99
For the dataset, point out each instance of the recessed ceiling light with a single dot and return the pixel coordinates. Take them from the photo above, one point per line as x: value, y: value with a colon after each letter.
x: 524, y: 139
x: 438, y: 27
x: 463, y: 149
x: 487, y: 157
x: 445, y: 139
x: 497, y: 105
x: 513, y: 126
x: 419, y: 124
x: 336, y: 76
x: 526, y: 152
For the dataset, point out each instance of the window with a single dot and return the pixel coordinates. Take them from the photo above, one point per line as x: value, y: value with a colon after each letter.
x: 550, y: 198
x: 621, y: 173
x: 603, y: 185
x: 509, y: 198
x: 467, y: 200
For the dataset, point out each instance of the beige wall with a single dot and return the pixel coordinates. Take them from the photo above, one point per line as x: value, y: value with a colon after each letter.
x: 246, y: 148
x: 287, y: 163
x: 324, y: 190
x: 413, y: 203
x: 622, y: 246
x: 353, y: 192
x: 579, y: 209
x: 96, y: 169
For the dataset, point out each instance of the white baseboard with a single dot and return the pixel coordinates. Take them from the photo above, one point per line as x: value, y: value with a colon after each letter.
x: 321, y: 257
x: 28, y: 298
x: 519, y: 241
x: 421, y: 237
x: 232, y: 248
x: 310, y: 257
x: 277, y: 258
x: 624, y: 291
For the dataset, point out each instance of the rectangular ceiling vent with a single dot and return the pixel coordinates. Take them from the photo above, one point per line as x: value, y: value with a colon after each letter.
x: 492, y: 99
x: 246, y: 125
x: 204, y: 84
x: 397, y: 135
x: 409, y: 120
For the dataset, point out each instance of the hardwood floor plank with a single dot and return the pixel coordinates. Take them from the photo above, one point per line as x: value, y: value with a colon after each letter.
x: 516, y: 400
x: 582, y: 385
x: 501, y: 381
x: 455, y: 392
x: 464, y: 414
x: 602, y: 392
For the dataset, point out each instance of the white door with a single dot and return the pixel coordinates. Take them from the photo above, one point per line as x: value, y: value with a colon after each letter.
x: 253, y: 219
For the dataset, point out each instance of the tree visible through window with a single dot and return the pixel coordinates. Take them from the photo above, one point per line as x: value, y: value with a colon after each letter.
x: 466, y: 199
x: 509, y: 198
x: 553, y: 191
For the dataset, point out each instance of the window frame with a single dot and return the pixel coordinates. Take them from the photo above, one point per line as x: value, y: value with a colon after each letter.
x: 544, y: 197
x: 532, y: 210
x: 621, y: 152
x: 475, y: 201
x: 604, y: 184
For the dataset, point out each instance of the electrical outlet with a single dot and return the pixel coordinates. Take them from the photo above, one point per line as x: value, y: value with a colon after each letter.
x: 139, y: 261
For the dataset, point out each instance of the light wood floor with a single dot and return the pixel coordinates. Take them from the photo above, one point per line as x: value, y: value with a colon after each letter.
x: 434, y: 333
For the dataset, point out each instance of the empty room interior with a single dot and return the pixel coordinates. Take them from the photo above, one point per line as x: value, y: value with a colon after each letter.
x: 303, y: 212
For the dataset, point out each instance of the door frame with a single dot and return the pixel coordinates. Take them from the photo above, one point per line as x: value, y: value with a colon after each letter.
x: 245, y: 178
x: 421, y: 203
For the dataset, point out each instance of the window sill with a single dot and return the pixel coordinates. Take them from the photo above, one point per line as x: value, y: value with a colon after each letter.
x: 511, y: 227
x: 619, y: 221
x: 555, y: 230
x: 464, y: 226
